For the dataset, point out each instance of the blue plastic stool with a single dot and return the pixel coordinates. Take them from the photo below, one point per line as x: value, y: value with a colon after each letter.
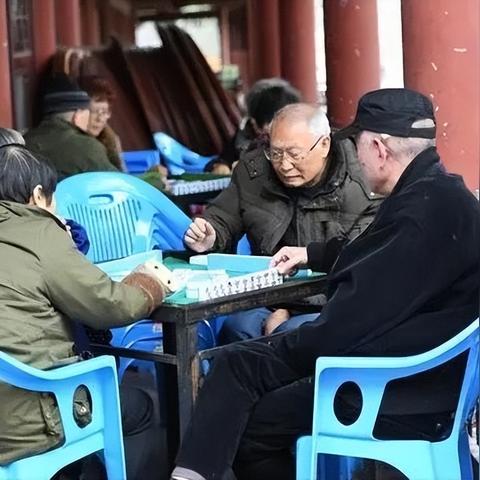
x: 178, y: 158
x: 139, y: 161
x: 104, y: 432
x: 417, y: 459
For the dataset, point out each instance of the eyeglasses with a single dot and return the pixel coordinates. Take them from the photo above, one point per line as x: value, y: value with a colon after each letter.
x: 101, y: 112
x: 294, y: 155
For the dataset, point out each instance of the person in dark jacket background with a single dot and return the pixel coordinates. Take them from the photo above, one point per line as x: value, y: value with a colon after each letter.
x: 407, y: 284
x: 295, y: 190
x: 266, y: 97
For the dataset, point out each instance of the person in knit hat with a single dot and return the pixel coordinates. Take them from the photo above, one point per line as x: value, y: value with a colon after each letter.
x: 62, y: 134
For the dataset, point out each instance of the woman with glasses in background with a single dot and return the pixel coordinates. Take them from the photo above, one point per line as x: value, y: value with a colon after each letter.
x: 102, y: 99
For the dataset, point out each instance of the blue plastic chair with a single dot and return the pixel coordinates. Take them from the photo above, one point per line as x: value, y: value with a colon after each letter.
x: 122, y: 214
x: 178, y: 158
x: 104, y: 432
x: 139, y: 161
x: 243, y: 246
x: 417, y: 459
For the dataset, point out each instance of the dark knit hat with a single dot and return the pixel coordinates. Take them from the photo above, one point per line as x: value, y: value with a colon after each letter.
x: 63, y: 95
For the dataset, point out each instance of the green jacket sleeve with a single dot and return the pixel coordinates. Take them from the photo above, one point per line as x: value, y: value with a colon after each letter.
x: 82, y: 291
x: 225, y: 216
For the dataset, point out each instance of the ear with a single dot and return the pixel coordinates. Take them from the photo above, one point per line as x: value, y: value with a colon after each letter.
x: 75, y: 117
x: 324, y: 146
x: 37, y: 198
x: 382, y: 151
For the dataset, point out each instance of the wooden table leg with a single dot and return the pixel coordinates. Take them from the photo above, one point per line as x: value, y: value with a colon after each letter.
x: 187, y: 373
x: 181, y: 382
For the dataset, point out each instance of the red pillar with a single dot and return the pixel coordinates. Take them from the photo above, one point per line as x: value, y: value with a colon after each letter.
x: 225, y: 34
x: 68, y: 22
x: 297, y: 30
x: 44, y: 32
x: 352, y: 55
x: 239, y: 52
x: 90, y: 23
x: 252, y: 42
x: 442, y: 59
x: 264, y: 39
x: 6, y: 118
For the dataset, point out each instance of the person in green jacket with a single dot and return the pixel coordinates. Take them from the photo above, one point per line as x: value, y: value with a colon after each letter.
x: 45, y: 284
x: 62, y: 134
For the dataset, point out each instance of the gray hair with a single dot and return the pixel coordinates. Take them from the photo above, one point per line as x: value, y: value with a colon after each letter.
x: 409, y: 147
x: 313, y: 115
x: 319, y: 124
x: 404, y: 147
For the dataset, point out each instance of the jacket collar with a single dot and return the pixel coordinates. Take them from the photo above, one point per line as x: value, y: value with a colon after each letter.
x: 9, y: 209
x: 417, y: 169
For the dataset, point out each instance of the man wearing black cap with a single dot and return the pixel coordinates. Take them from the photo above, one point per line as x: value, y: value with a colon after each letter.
x: 62, y: 137
x: 407, y: 284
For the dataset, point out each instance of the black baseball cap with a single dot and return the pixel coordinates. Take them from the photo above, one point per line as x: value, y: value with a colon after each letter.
x: 394, y: 111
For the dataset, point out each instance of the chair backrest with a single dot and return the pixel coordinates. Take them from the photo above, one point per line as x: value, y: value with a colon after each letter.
x: 104, y: 432
x: 122, y: 214
x: 468, y: 340
x: 139, y: 161
x: 178, y: 158
x: 371, y: 375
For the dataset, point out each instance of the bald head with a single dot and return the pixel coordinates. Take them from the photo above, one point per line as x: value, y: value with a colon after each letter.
x: 304, y: 114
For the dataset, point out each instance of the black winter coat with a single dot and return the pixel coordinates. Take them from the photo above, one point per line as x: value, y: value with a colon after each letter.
x: 407, y: 284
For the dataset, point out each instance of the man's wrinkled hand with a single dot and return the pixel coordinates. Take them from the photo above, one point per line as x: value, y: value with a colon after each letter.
x: 288, y: 259
x: 221, y: 169
x: 200, y: 235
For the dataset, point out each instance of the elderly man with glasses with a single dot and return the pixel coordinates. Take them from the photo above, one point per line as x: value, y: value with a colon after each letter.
x: 299, y: 189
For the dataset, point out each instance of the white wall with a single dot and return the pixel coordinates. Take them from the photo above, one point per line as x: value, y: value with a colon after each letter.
x: 390, y: 44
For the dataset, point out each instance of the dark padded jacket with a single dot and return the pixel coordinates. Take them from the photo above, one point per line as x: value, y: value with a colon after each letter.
x: 257, y: 203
